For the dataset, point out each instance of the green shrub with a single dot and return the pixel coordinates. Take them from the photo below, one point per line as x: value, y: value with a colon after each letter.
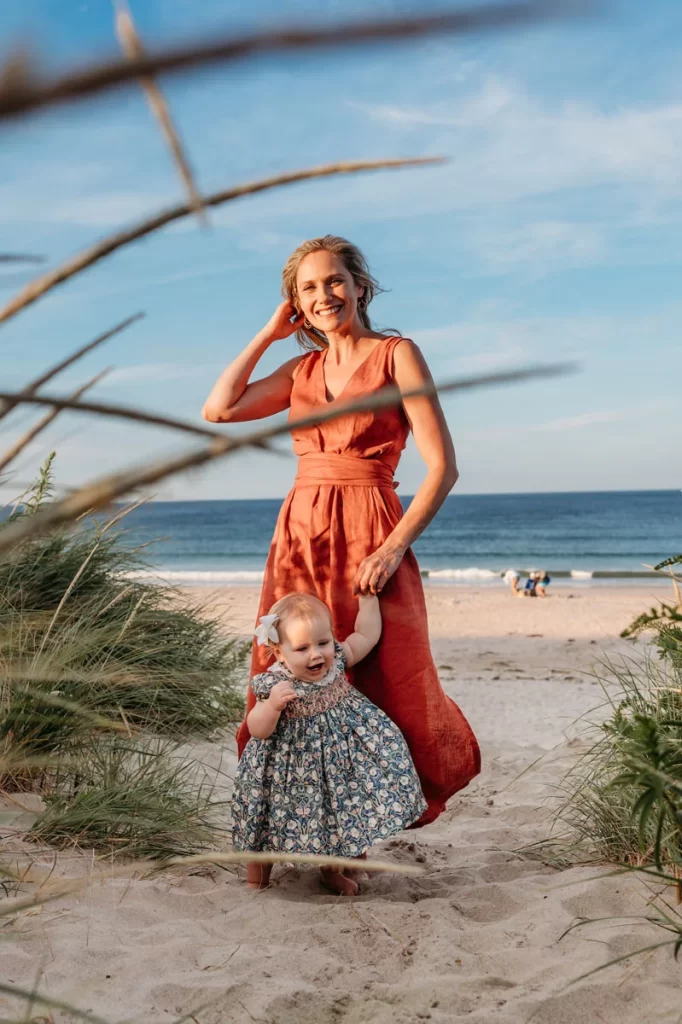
x: 131, y: 799
x: 624, y: 798
x: 102, y: 677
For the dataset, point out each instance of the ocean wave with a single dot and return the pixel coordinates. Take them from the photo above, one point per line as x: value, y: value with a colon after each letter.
x: 199, y: 576
x: 461, y: 574
x: 472, y: 574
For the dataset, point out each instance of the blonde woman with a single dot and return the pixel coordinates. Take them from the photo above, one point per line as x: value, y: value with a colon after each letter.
x: 341, y: 531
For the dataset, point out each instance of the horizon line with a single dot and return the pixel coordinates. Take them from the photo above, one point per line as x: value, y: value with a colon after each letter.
x: 480, y: 494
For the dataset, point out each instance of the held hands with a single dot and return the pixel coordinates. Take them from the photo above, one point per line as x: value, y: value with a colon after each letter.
x: 283, y: 322
x: 375, y: 571
x: 280, y: 695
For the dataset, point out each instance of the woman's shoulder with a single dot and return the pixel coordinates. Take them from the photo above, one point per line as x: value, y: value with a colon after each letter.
x: 306, y: 361
x: 404, y: 356
x: 404, y: 347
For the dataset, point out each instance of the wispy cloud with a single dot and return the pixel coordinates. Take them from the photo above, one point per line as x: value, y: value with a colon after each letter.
x: 531, y: 423
x: 442, y: 344
x: 141, y: 283
x: 145, y: 372
x: 585, y: 419
x: 542, y: 246
x: 506, y: 143
x: 105, y: 210
x: 479, y: 107
x: 497, y: 339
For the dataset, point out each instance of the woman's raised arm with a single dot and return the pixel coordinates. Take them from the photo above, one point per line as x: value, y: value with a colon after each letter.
x: 233, y: 398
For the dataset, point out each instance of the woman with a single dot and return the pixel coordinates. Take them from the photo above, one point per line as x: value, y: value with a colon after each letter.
x: 341, y: 530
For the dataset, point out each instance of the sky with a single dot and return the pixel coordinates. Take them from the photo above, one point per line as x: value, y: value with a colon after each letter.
x: 552, y: 233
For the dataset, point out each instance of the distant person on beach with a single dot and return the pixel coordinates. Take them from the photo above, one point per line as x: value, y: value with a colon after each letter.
x: 341, y: 531
x: 325, y: 771
x: 542, y: 583
x: 531, y: 584
x: 511, y: 578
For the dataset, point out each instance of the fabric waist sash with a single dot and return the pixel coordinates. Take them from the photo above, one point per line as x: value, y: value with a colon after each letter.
x: 318, y: 468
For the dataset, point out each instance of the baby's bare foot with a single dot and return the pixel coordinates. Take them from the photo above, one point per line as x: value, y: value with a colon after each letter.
x: 358, y: 873
x: 258, y: 875
x: 338, y: 882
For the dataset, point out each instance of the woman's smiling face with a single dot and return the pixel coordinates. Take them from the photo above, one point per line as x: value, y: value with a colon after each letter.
x: 327, y: 293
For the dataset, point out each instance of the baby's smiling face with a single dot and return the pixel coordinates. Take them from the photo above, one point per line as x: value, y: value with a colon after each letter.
x: 306, y: 646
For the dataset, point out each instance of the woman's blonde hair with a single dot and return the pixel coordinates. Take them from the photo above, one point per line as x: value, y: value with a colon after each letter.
x: 355, y: 263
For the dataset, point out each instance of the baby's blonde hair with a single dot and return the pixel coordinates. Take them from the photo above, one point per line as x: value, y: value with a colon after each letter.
x: 298, y: 605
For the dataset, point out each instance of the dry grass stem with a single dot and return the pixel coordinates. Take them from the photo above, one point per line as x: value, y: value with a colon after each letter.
x: 102, y: 492
x: 22, y: 90
x: 378, y: 866
x: 35, y: 289
x: 18, y: 257
x: 64, y: 598
x: 132, y: 47
x: 42, y: 424
x: 30, y: 389
x: 106, y: 409
x: 32, y: 996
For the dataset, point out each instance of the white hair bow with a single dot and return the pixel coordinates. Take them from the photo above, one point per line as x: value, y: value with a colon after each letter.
x: 266, y: 630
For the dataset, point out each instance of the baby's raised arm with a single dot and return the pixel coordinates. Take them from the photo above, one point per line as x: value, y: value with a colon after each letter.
x: 367, y: 630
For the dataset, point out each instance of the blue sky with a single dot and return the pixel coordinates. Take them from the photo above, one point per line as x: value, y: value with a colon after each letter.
x: 553, y: 232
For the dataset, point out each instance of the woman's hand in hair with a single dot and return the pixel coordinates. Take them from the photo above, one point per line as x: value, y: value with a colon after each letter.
x: 283, y: 323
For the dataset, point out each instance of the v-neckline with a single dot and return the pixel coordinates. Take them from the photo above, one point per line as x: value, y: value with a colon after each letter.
x: 325, y: 389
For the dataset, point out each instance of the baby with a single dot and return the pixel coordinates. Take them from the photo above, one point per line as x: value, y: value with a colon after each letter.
x: 325, y: 771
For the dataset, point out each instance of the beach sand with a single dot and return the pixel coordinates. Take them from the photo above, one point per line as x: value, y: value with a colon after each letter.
x: 476, y: 937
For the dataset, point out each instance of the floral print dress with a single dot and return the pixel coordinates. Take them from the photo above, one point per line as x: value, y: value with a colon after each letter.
x: 334, y: 777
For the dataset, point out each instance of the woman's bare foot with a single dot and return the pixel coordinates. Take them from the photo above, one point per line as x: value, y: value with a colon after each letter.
x: 338, y: 882
x: 258, y: 875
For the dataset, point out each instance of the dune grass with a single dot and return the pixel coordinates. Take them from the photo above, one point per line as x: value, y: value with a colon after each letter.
x: 131, y: 799
x: 623, y: 800
x: 103, y: 678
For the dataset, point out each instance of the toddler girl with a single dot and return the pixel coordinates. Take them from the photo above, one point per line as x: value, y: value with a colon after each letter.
x: 325, y: 771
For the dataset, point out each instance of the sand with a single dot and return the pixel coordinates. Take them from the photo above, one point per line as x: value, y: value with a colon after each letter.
x: 476, y: 937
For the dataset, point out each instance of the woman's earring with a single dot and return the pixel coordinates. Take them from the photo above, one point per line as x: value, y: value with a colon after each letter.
x: 362, y: 303
x: 307, y: 323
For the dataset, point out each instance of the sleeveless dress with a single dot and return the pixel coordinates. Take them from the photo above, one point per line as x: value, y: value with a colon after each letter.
x: 334, y: 778
x: 342, y: 507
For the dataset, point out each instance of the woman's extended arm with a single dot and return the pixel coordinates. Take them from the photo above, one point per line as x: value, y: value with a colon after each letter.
x: 233, y: 399
x: 435, y: 446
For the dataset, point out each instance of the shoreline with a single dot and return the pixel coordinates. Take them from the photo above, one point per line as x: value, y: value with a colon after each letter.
x: 459, y: 578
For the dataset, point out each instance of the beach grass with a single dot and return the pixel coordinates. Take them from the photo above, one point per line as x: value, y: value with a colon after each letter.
x: 103, y: 678
x: 623, y: 800
x: 132, y: 800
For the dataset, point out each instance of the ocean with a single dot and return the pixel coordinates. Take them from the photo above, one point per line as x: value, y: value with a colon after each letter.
x: 593, y: 537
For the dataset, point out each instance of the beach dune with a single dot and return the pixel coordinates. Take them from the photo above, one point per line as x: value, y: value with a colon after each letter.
x: 476, y: 936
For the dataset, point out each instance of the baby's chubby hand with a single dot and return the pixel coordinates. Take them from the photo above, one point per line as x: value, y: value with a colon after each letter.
x: 281, y: 694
